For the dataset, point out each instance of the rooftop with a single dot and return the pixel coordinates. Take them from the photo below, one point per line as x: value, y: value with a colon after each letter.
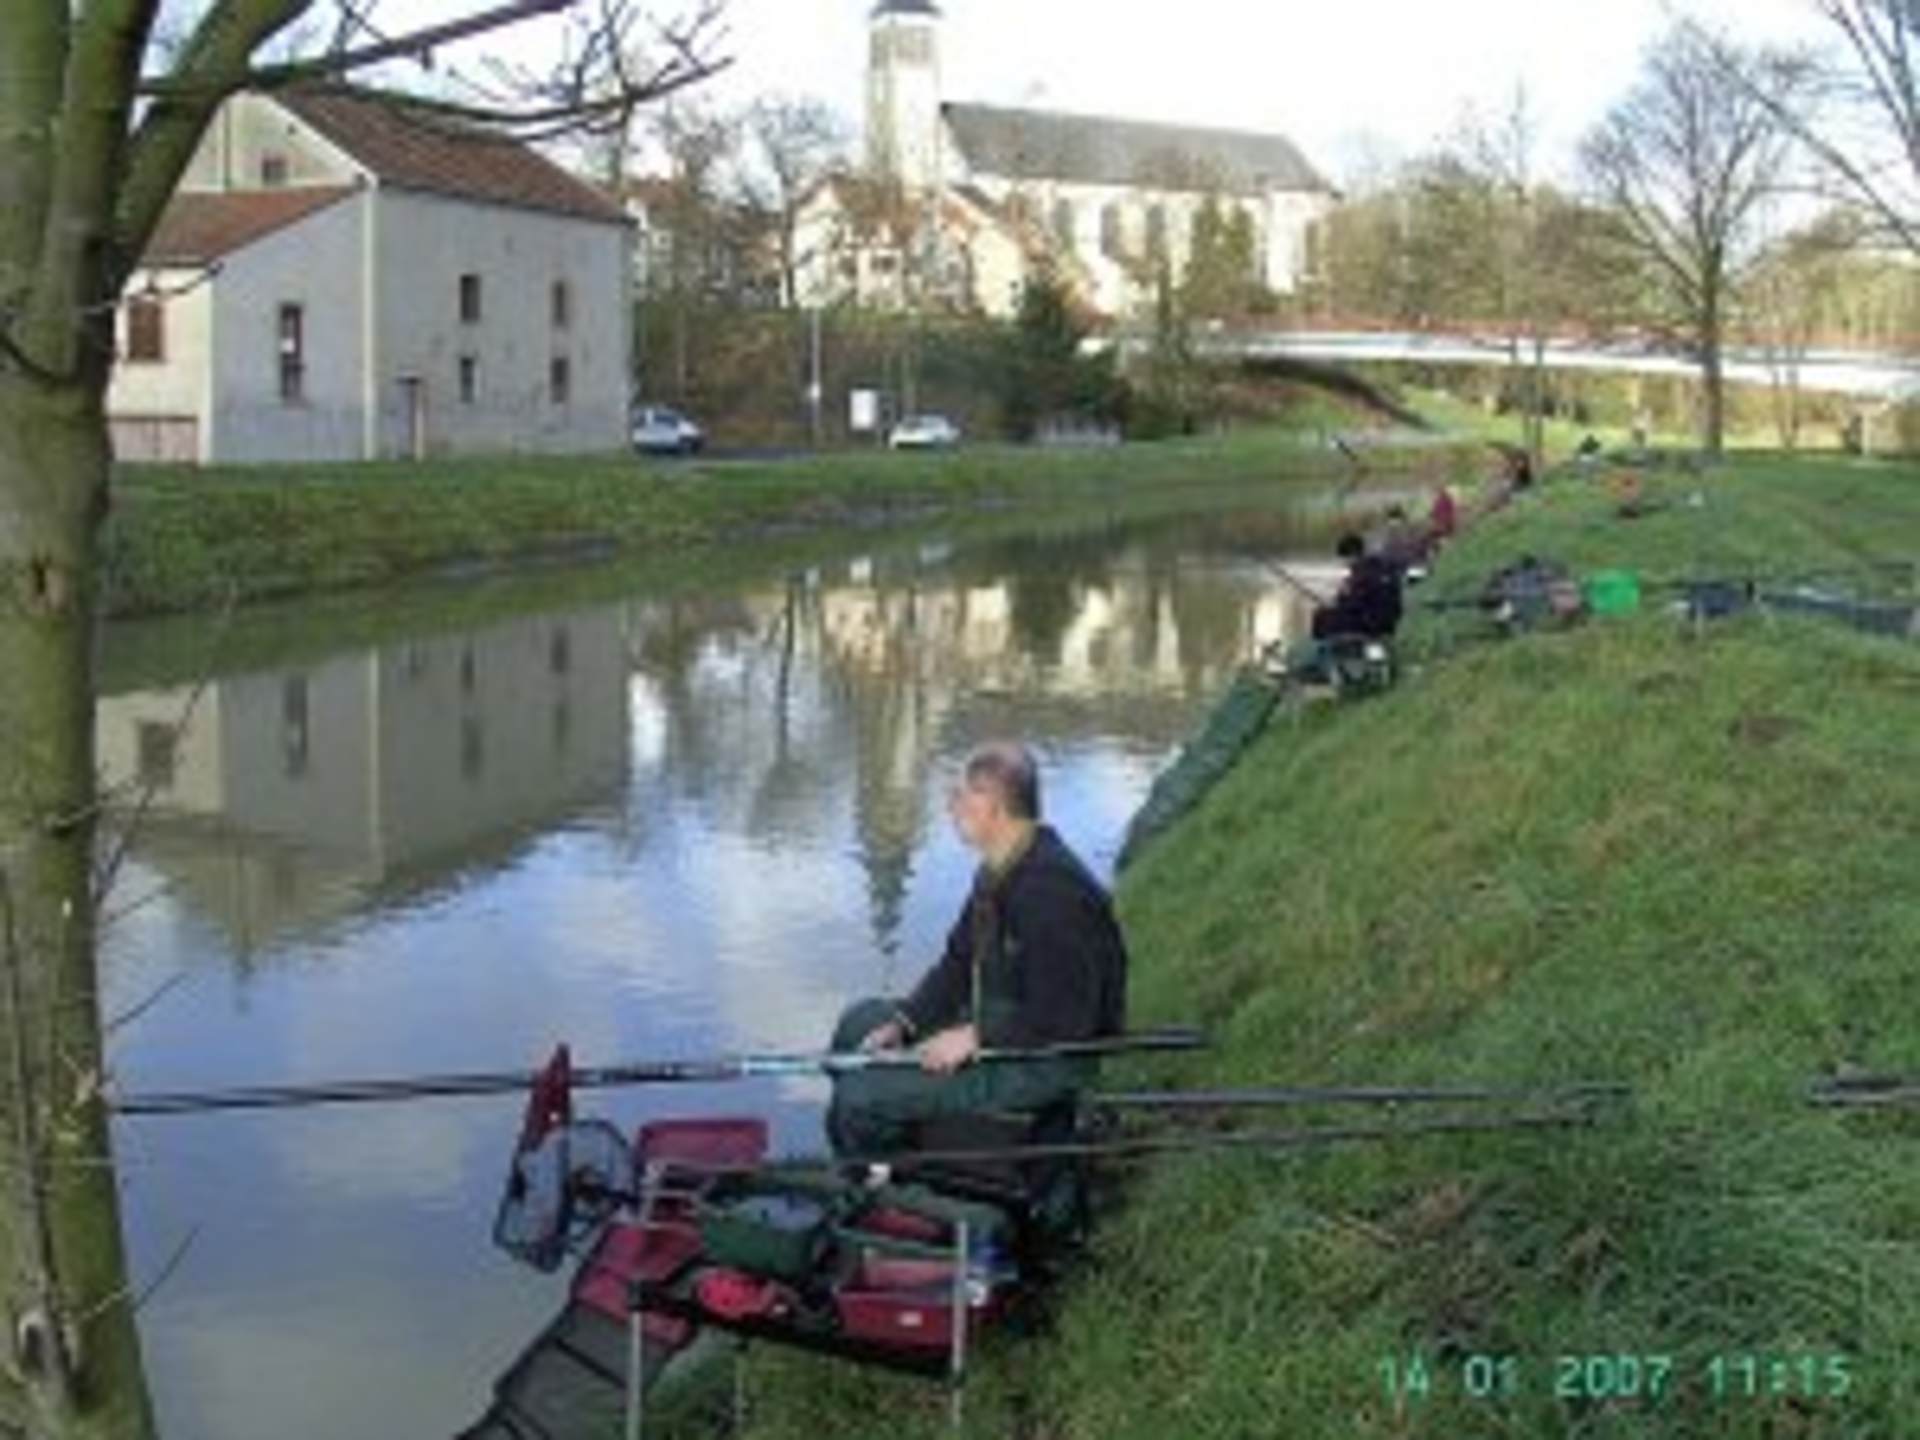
x: 201, y: 226
x: 1102, y: 150
x: 413, y: 148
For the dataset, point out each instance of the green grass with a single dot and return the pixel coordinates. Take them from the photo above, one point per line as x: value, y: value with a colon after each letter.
x: 1627, y: 851
x: 190, y: 540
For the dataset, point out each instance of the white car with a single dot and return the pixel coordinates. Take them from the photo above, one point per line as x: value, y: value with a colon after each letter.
x: 660, y: 431
x: 924, y: 432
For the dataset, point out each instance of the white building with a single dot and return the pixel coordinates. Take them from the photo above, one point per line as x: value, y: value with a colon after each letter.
x: 340, y: 277
x: 1100, y: 197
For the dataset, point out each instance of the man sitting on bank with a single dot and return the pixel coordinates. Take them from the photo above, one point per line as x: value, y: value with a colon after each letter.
x: 1369, y: 603
x: 1035, y: 959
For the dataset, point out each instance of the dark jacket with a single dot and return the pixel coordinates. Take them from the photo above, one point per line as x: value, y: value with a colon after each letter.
x: 1052, y: 965
x: 1369, y: 602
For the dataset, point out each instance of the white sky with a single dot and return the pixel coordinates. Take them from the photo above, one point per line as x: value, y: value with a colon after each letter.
x: 1346, y: 80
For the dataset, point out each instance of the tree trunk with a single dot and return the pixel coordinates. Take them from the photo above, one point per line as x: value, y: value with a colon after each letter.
x: 1713, y: 380
x: 1536, y: 405
x: 69, y: 1359
x: 1713, y: 395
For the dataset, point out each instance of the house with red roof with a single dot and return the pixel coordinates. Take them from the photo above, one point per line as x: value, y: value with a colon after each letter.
x: 345, y: 276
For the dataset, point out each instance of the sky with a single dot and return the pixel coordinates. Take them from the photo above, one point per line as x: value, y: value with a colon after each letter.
x: 1352, y: 83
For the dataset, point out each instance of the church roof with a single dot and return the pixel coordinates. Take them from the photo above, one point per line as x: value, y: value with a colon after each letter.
x: 1096, y: 150
x: 905, y: 7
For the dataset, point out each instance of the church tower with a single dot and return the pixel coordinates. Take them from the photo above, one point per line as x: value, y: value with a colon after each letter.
x: 903, y: 93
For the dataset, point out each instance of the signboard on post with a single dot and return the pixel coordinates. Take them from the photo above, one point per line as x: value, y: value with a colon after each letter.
x: 863, y: 411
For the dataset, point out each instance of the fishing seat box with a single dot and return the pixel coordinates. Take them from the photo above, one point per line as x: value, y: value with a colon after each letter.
x: 906, y: 1303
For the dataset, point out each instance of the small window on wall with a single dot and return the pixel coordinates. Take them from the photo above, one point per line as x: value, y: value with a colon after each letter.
x: 1157, y: 232
x: 158, y: 747
x: 560, y: 380
x: 293, y: 353
x: 469, y: 379
x: 469, y: 299
x: 273, y: 170
x: 562, y: 305
x: 146, y: 330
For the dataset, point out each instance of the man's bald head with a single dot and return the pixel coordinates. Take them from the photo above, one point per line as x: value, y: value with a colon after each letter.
x: 1009, y: 769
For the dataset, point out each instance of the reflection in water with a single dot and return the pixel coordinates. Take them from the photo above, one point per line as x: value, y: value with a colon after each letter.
x: 286, y: 799
x: 671, y: 826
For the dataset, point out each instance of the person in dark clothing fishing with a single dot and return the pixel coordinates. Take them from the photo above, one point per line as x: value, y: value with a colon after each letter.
x: 1368, y: 603
x: 1036, y: 958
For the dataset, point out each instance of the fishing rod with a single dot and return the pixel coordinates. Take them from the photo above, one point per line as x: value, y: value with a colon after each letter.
x: 1300, y: 586
x: 653, y: 1072
x: 1177, y: 1100
x: 1864, y: 1091
x: 1139, y: 1146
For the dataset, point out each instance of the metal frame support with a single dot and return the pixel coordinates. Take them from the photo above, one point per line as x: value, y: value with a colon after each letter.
x: 637, y: 1323
x: 957, y: 1351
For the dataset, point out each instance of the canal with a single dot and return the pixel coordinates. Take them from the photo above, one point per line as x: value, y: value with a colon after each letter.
x: 691, y: 818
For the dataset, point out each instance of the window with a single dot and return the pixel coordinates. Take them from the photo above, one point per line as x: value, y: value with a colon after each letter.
x: 469, y: 299
x: 559, y: 380
x: 1157, y: 232
x: 469, y: 379
x: 146, y: 330
x: 157, y: 745
x: 1063, y: 222
x: 562, y: 305
x: 560, y: 652
x: 1112, y: 238
x: 293, y: 353
x: 273, y: 170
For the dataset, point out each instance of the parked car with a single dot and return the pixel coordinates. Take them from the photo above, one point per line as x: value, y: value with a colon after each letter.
x: 924, y: 432
x: 660, y: 431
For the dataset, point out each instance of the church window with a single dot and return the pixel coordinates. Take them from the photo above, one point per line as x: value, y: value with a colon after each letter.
x: 1157, y: 232
x: 1063, y: 222
x: 1112, y: 236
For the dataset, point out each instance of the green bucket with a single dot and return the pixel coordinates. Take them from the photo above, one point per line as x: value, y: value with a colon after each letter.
x: 1613, y: 592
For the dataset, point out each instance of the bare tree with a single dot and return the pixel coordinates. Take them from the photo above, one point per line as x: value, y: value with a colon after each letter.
x: 1863, y: 127
x: 97, y: 125
x: 1540, y: 266
x: 1685, y: 160
x: 697, y: 251
x: 796, y: 144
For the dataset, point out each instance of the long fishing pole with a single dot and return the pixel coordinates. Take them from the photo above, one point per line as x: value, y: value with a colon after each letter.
x: 1146, y: 1146
x: 1865, y: 1091
x: 1177, y: 1100
x: 1299, y: 585
x: 659, y: 1072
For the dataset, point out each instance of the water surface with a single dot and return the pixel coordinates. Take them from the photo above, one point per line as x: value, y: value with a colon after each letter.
x: 684, y: 822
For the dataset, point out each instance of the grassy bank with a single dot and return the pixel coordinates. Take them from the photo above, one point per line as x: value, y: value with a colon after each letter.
x: 1629, y: 852
x: 187, y: 540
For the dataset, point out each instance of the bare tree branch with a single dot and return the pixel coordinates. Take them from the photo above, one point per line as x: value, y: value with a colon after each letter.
x: 33, y: 56
x: 1685, y: 160
x: 1875, y: 84
x: 215, y: 60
